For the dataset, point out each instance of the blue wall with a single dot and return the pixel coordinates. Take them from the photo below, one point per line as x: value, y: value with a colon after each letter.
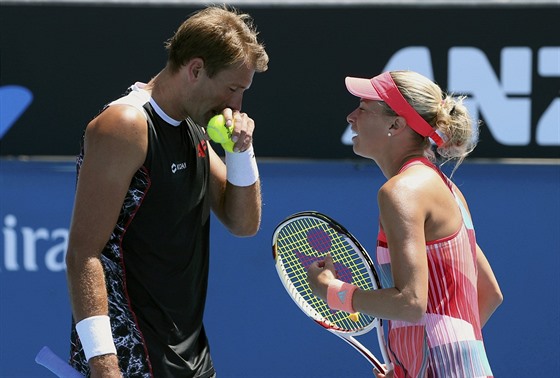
x: 255, y: 329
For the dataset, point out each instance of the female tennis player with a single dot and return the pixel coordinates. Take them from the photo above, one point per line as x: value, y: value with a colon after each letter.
x: 438, y: 287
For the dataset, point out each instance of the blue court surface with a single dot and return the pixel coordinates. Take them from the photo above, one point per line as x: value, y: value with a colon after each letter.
x: 255, y: 329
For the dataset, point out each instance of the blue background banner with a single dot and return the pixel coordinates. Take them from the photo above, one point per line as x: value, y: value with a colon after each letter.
x: 255, y: 329
x: 62, y: 63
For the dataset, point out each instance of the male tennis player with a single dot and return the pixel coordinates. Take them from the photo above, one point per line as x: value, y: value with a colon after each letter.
x: 147, y: 180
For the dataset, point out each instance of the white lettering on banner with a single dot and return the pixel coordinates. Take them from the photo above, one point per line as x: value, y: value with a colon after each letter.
x: 470, y: 73
x: 505, y: 103
x: 548, y: 128
x: 32, y: 239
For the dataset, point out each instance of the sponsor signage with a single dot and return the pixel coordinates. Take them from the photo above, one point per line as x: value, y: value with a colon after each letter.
x: 57, y: 74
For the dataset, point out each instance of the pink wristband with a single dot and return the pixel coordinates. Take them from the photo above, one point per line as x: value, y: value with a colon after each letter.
x: 339, y: 296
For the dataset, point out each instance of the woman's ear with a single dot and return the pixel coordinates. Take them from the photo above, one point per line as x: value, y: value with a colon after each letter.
x: 399, y: 124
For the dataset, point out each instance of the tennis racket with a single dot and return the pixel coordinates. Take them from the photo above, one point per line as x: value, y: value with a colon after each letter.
x: 55, y: 364
x: 305, y: 237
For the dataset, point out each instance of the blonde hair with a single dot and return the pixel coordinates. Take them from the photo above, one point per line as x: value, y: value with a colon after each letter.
x: 221, y: 36
x: 444, y: 112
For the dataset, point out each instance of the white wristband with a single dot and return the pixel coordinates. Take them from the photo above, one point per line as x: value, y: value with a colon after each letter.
x: 242, y: 167
x: 96, y: 336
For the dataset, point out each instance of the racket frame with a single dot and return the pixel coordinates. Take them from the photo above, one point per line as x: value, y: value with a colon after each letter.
x: 346, y: 335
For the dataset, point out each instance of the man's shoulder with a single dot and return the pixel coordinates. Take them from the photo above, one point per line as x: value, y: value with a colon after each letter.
x: 136, y: 96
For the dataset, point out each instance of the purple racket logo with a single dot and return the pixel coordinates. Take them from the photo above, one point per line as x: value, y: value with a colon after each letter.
x: 321, y: 241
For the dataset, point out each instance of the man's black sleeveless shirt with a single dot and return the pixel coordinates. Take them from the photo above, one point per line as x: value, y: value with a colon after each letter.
x: 156, y: 261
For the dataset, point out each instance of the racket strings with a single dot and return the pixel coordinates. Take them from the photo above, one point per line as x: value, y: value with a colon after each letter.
x: 306, y: 240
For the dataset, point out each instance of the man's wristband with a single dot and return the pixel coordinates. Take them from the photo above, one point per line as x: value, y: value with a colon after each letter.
x: 96, y: 336
x: 339, y: 296
x: 242, y: 167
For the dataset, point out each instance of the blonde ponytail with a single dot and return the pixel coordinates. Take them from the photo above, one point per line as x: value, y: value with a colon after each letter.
x: 445, y: 113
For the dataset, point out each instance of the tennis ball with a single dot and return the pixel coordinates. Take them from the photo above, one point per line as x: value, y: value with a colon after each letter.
x: 355, y: 317
x: 219, y: 132
x: 228, y: 145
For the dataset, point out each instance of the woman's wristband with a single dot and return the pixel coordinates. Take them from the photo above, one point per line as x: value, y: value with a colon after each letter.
x: 339, y: 296
x: 96, y: 336
x: 242, y: 167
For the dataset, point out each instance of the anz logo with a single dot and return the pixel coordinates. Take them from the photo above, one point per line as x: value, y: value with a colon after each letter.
x: 504, y: 101
x: 14, y: 100
x: 175, y: 167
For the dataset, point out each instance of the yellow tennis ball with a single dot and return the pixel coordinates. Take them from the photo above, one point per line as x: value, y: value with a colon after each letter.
x: 228, y: 145
x: 355, y: 317
x: 219, y: 132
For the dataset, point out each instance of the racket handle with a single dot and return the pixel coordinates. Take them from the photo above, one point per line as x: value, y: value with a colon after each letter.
x: 383, y: 345
x: 55, y: 364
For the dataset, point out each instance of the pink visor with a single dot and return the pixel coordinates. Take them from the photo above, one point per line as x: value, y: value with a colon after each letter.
x: 383, y: 88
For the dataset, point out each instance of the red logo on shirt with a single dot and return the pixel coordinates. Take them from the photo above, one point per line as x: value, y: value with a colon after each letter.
x: 202, y: 147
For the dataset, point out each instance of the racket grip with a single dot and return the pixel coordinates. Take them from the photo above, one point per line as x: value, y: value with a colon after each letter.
x: 55, y: 364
